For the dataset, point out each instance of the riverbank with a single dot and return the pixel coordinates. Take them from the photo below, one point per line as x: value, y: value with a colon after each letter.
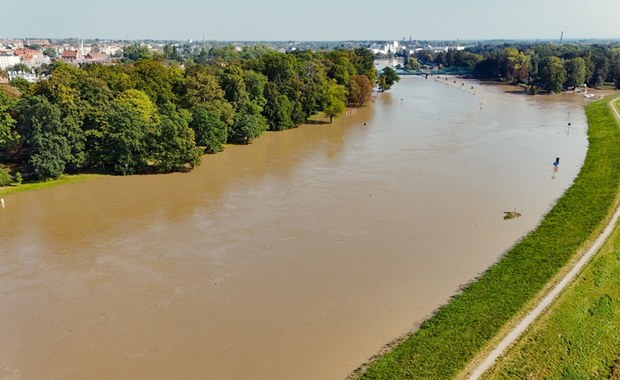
x: 578, y: 337
x: 585, y: 315
x: 445, y: 343
x: 64, y: 180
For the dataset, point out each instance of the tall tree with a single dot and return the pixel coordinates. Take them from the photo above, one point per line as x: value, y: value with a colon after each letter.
x: 136, y: 53
x: 209, y: 130
x: 340, y: 67
x: 360, y: 90
x: 62, y: 89
x: 517, y: 65
x: 9, y: 138
x: 335, y: 100
x: 387, y: 78
x: 246, y: 128
x: 174, y: 143
x: 158, y: 81
x: 364, y: 62
x: 278, y: 109
x: 126, y: 141
x: 552, y: 74
x: 44, y: 136
x: 204, y: 92
x: 576, y: 72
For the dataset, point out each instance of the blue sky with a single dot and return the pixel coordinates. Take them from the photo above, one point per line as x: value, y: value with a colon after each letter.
x: 312, y: 19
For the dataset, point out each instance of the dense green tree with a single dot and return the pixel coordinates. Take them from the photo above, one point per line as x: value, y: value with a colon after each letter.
x: 255, y: 84
x: 335, y: 100
x: 575, y: 72
x: 44, y: 136
x: 50, y: 52
x: 135, y: 53
x: 9, y: 138
x: 118, y: 78
x: 340, y: 67
x: 209, y: 130
x: 616, y: 70
x: 171, y: 52
x: 462, y: 58
x: 62, y: 89
x: 364, y: 62
x: 174, y: 143
x: 278, y: 67
x: 518, y: 64
x: 22, y: 85
x: 233, y: 85
x: 600, y: 72
x: 310, y: 88
x: 488, y: 68
x: 158, y: 81
x: 139, y: 102
x: 204, y: 91
x: 145, y: 115
x: 387, y: 78
x: 359, y: 90
x: 278, y: 109
x: 412, y: 64
x: 126, y: 147
x: 224, y: 54
x: 5, y: 176
x: 248, y: 125
x: 552, y: 74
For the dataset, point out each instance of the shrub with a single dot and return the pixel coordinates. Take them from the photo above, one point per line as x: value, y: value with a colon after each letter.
x: 5, y: 177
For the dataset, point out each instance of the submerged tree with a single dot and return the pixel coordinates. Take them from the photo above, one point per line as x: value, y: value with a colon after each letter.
x: 387, y: 78
x: 335, y: 100
x: 359, y: 89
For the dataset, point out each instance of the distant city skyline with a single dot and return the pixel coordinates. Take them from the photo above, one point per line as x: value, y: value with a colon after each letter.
x: 317, y: 20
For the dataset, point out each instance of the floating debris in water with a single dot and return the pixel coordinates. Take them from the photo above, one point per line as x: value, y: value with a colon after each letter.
x: 511, y: 214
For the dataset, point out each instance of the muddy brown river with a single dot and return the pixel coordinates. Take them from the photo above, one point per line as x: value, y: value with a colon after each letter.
x: 296, y: 257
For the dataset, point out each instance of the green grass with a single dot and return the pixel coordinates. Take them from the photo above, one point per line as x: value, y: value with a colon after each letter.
x: 579, y: 337
x: 446, y: 342
x: 64, y: 180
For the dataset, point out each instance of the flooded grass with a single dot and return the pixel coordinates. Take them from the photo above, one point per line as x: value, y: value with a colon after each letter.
x: 64, y: 180
x: 445, y: 343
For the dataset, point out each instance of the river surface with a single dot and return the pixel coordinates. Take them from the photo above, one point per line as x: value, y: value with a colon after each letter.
x: 296, y: 257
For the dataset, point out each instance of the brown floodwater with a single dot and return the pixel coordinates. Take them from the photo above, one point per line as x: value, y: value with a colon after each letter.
x: 296, y: 257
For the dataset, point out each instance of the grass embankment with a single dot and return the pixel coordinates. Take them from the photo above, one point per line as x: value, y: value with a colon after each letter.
x: 447, y: 341
x: 64, y: 180
x: 579, y: 337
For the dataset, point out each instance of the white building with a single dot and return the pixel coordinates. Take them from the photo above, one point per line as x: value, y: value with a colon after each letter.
x: 385, y: 49
x: 8, y: 60
x: 29, y: 76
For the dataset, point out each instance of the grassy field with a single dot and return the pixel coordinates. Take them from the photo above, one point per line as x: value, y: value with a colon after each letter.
x: 445, y: 343
x: 64, y: 180
x: 579, y: 338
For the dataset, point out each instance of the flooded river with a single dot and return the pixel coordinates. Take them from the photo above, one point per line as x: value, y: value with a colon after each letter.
x: 296, y: 257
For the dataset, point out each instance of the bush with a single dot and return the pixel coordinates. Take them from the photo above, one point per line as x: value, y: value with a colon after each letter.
x: 5, y: 177
x: 18, y: 178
